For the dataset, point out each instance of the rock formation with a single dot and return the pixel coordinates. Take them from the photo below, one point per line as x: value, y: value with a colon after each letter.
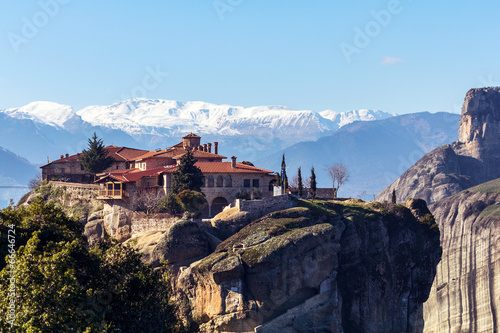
x: 472, y: 160
x: 465, y: 293
x: 327, y: 267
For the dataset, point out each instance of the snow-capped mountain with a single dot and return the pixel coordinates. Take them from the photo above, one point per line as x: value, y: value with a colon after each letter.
x: 49, y: 113
x: 154, y: 123
x: 344, y: 118
x: 173, y: 118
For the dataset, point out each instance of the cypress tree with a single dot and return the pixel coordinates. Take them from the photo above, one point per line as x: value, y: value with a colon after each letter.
x: 300, y: 186
x: 95, y: 159
x: 284, y: 177
x: 313, y: 183
x: 187, y: 176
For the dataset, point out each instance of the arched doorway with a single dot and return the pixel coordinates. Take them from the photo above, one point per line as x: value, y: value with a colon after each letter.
x: 218, y: 205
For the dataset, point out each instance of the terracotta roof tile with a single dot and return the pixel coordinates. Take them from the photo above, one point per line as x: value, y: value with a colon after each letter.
x: 118, y: 153
x: 132, y: 175
x: 127, y: 154
x: 225, y: 167
x: 200, y: 154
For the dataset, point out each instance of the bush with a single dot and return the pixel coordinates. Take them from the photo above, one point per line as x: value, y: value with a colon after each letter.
x: 243, y: 195
x: 190, y: 200
x: 169, y: 204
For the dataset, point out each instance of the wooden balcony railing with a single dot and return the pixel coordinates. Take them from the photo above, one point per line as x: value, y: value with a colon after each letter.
x: 112, y: 194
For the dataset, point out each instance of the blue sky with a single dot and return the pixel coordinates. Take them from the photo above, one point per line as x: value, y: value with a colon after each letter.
x: 422, y: 56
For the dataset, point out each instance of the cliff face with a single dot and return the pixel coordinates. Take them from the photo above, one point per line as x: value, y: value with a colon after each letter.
x: 327, y: 267
x: 465, y: 293
x: 470, y: 161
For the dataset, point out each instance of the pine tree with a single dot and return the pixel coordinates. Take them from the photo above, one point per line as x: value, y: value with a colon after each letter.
x: 95, y: 159
x: 187, y: 176
x: 313, y: 183
x: 393, y: 196
x: 300, y: 187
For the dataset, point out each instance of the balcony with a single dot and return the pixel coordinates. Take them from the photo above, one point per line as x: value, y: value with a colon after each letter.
x: 111, y: 191
x: 112, y: 194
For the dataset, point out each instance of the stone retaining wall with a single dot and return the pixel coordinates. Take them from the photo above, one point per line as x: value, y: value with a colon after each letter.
x: 141, y: 222
x: 265, y: 205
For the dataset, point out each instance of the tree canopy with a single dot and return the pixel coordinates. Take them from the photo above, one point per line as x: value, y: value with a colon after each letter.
x: 187, y: 176
x: 62, y: 285
x: 95, y: 159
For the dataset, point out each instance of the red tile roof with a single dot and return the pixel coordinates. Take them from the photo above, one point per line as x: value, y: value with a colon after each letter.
x: 225, y: 167
x: 177, y: 153
x: 121, y: 154
x: 200, y: 154
x: 127, y: 154
x: 133, y: 175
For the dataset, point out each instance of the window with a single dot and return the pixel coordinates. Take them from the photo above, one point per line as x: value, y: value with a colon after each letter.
x: 117, y: 167
x: 210, y: 181
x: 255, y: 183
x: 229, y: 181
x: 220, y: 181
x: 246, y: 182
x: 81, y: 167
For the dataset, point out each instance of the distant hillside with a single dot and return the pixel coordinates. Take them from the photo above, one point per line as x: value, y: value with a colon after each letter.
x: 376, y: 152
x: 14, y: 171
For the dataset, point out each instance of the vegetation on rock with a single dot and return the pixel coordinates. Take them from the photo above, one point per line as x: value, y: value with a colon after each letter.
x: 63, y: 285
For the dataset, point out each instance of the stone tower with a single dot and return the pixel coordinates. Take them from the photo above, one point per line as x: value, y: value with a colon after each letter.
x: 191, y: 141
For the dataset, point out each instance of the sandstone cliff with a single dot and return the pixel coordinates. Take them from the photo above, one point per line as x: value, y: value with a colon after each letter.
x: 472, y: 160
x: 465, y: 293
x: 327, y: 267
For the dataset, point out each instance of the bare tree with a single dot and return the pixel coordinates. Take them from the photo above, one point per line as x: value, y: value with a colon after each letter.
x: 362, y: 194
x: 339, y: 174
x: 147, y: 200
x: 294, y: 183
x: 35, y: 182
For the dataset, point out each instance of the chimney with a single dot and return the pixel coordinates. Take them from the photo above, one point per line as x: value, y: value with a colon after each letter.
x: 62, y: 156
x: 233, y: 162
x: 209, y: 147
x: 205, y: 147
x: 216, y: 148
x: 67, y: 155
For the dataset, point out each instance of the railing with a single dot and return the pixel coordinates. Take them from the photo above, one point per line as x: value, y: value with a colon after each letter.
x: 112, y: 194
x: 77, y: 185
